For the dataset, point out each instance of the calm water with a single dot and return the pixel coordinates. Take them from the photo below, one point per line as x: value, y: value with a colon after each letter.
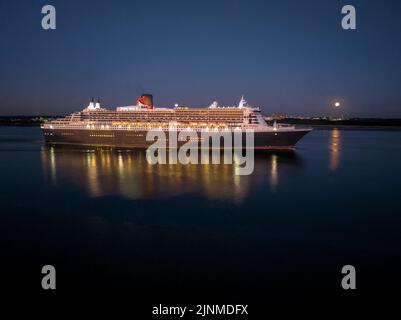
x: 110, y: 223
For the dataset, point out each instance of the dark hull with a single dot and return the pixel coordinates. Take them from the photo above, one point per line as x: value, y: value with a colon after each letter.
x: 137, y: 139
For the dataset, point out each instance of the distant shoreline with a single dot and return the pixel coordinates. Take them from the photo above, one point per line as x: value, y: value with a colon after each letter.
x: 355, y: 123
x: 351, y: 127
x: 24, y: 121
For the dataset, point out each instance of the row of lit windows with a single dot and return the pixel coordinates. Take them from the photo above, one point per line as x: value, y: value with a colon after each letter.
x: 216, y: 128
x: 102, y: 135
x: 159, y: 111
x: 134, y: 135
x: 183, y: 139
x: 238, y: 119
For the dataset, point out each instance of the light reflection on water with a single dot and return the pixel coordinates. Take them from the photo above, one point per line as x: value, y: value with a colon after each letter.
x: 335, y: 148
x: 128, y: 174
x: 273, y: 171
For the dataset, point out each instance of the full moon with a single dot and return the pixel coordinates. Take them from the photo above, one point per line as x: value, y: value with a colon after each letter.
x: 337, y: 104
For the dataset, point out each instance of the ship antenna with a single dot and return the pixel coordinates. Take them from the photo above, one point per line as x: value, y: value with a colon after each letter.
x: 242, y: 103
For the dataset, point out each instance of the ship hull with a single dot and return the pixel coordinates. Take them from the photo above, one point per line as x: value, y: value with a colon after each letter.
x: 265, y: 140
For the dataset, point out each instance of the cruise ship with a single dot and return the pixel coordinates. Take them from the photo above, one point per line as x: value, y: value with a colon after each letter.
x: 127, y: 126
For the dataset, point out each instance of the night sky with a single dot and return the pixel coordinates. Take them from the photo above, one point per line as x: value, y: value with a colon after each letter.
x: 289, y: 57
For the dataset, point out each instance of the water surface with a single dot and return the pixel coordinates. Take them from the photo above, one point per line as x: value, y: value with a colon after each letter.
x: 111, y: 223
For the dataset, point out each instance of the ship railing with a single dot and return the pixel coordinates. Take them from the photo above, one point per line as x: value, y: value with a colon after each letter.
x: 166, y: 128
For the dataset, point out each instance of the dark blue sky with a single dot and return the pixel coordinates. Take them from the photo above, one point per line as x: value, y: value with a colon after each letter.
x: 289, y: 57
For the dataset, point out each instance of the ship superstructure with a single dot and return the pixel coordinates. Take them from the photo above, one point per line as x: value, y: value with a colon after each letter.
x: 127, y: 126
